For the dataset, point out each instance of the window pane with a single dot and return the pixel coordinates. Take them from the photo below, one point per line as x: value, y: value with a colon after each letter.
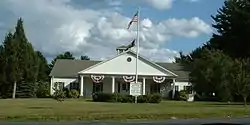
x: 176, y: 88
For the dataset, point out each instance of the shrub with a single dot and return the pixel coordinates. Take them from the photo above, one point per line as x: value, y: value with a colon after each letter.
x: 103, y: 97
x: 143, y: 99
x: 183, y: 95
x: 176, y: 95
x: 59, y: 95
x: 128, y: 99
x: 116, y: 97
x: 43, y: 90
x: 73, y: 94
x: 66, y: 91
x: 155, y: 98
x: 198, y: 97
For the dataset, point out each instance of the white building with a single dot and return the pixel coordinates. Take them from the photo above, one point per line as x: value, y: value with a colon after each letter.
x: 115, y: 75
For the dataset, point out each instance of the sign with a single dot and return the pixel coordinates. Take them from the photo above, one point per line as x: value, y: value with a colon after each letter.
x: 135, y: 88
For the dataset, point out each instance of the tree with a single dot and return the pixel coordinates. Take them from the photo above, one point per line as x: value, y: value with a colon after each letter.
x: 240, y: 78
x: 11, y: 66
x: 84, y: 58
x: 43, y: 73
x: 65, y: 55
x: 43, y: 90
x: 209, y: 74
x: 232, y: 23
x: 27, y: 62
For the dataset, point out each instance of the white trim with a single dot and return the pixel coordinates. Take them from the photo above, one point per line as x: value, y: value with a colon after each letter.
x: 102, y: 62
x: 125, y: 52
x: 155, y: 64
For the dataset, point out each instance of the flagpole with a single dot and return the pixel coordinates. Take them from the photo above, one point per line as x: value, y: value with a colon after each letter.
x: 137, y: 50
x: 137, y: 46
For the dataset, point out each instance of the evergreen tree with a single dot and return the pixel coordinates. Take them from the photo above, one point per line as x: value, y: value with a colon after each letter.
x: 43, y: 73
x: 233, y: 26
x: 13, y: 73
x: 28, y: 63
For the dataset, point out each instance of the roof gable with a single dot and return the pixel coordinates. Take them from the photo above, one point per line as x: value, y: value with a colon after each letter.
x: 120, y: 66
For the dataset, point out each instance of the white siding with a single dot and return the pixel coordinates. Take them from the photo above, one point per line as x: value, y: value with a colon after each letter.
x: 181, y: 85
x: 66, y: 81
x: 120, y: 66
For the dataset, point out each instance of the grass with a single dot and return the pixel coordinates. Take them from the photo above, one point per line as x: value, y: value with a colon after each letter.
x: 69, y: 110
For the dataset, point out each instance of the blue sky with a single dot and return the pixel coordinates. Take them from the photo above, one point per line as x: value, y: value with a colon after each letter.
x: 84, y: 26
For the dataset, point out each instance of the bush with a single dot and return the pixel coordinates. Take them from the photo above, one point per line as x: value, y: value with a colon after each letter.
x: 128, y: 99
x: 103, y: 97
x: 66, y: 92
x: 183, y: 95
x: 59, y: 95
x: 155, y: 98
x: 43, y: 90
x: 74, y: 94
x: 176, y: 95
x: 198, y: 97
x: 116, y: 97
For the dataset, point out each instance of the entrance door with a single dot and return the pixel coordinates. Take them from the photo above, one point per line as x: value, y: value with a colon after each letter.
x: 155, y: 88
x: 97, y: 87
x: 125, y: 87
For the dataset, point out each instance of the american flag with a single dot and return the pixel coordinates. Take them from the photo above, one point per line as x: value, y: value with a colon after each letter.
x: 134, y: 19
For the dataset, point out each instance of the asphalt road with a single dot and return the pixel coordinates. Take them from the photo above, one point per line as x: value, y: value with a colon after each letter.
x: 236, y: 121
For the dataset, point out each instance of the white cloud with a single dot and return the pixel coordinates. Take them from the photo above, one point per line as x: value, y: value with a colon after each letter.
x: 56, y: 26
x: 160, y: 4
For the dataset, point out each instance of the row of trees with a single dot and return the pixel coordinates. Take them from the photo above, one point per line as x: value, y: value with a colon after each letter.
x: 24, y: 72
x: 222, y: 65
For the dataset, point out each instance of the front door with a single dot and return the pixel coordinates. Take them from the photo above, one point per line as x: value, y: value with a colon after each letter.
x: 97, y: 87
x: 125, y: 87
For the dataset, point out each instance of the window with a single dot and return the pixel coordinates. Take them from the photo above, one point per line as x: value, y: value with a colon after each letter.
x: 155, y: 88
x: 176, y: 88
x: 59, y: 85
x: 74, y: 85
x: 129, y: 59
x: 97, y: 87
x: 125, y: 86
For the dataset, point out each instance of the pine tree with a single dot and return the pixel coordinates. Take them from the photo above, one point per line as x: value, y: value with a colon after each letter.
x: 233, y: 26
x: 43, y: 73
x: 28, y: 62
x: 12, y: 70
x: 4, y: 87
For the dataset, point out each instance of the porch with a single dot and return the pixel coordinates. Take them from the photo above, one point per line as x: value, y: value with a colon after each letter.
x: 86, y: 85
x: 117, y: 84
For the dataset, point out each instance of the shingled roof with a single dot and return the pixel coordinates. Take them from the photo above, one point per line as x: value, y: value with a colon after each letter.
x: 70, y: 68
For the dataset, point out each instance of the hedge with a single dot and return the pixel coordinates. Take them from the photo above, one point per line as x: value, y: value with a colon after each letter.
x: 116, y: 97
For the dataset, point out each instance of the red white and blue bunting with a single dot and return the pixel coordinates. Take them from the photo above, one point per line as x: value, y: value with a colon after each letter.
x: 97, y: 78
x: 128, y: 78
x: 159, y: 79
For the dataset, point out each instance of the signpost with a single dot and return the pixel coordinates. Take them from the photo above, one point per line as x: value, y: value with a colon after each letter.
x: 135, y: 89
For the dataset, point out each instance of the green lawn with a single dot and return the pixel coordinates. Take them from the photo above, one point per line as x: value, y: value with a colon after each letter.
x: 48, y: 109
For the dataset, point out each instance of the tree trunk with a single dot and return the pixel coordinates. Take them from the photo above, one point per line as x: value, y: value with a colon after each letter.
x: 245, y: 100
x: 14, y: 91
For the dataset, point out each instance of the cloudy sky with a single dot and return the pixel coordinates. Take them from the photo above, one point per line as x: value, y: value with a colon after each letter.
x: 96, y: 27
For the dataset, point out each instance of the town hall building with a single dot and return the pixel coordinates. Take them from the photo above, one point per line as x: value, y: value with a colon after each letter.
x: 114, y: 75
